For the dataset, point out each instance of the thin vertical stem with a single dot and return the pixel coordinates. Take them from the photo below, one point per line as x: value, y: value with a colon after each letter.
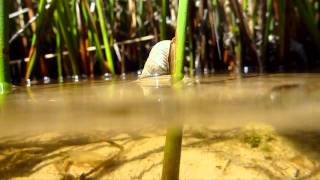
x: 172, y: 153
x: 4, y: 47
x: 92, y: 34
x: 308, y: 20
x: 105, y: 37
x: 58, y: 48
x: 180, y: 38
x: 172, y: 149
x: 35, y: 37
x: 191, y: 55
x: 67, y: 36
x: 111, y: 11
x: 141, y: 30
x: 163, y: 26
x: 191, y: 38
x: 214, y: 33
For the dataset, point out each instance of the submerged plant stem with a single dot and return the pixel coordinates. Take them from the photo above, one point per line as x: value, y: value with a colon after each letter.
x: 172, y: 153
x: 172, y: 149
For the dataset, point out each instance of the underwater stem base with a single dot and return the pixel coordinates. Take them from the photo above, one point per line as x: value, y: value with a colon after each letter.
x: 172, y: 153
x: 5, y: 87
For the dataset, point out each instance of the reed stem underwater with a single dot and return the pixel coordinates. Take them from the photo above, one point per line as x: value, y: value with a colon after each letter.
x: 172, y: 149
x: 172, y: 153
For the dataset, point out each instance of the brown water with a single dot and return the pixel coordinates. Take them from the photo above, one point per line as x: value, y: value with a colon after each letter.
x: 249, y: 111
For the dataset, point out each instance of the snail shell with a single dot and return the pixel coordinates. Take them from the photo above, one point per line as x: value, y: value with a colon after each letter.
x: 158, y: 61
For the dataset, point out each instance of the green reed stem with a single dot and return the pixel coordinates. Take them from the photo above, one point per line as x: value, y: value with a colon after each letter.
x: 4, y: 47
x: 59, y: 57
x: 172, y: 153
x: 58, y: 48
x: 105, y: 38
x: 67, y: 37
x: 172, y: 149
x: 308, y: 19
x: 163, y: 24
x: 111, y: 11
x: 35, y: 38
x: 180, y: 39
x: 93, y: 33
x: 70, y: 16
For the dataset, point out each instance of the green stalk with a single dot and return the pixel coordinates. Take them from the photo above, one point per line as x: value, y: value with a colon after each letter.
x: 180, y: 39
x: 172, y: 153
x: 67, y: 37
x: 111, y: 11
x: 92, y: 34
x: 172, y: 149
x: 58, y: 49
x: 70, y: 15
x: 33, y: 50
x: 245, y: 6
x: 59, y: 57
x: 163, y: 25
x: 105, y: 38
x: 308, y: 19
x: 4, y: 47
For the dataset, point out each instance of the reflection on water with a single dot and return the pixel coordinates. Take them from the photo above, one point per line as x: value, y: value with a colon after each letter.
x: 99, y: 121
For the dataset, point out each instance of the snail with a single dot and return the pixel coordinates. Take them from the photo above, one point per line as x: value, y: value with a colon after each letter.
x: 160, y: 60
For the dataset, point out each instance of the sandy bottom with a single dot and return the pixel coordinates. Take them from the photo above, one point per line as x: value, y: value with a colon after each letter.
x: 251, y: 152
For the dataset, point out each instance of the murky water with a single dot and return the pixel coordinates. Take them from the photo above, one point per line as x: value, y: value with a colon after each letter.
x: 219, y: 108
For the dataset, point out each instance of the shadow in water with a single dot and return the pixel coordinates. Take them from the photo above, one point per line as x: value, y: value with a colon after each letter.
x: 308, y: 144
x: 22, y: 157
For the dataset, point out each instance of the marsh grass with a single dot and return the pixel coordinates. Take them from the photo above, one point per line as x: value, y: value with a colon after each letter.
x: 224, y: 35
